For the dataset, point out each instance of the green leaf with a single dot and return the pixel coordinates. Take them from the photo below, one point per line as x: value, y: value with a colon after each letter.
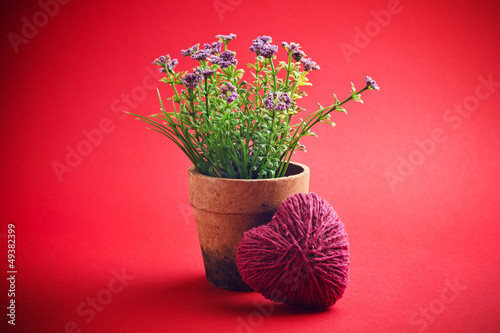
x: 341, y: 109
x: 357, y: 98
x: 354, y: 96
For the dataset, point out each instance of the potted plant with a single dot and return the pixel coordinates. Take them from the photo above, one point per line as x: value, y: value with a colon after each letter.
x: 240, y: 133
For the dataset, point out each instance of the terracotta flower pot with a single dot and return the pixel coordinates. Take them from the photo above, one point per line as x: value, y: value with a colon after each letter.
x: 225, y: 208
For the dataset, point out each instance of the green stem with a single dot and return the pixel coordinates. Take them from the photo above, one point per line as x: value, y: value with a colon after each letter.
x: 191, y: 101
x: 275, y: 84
x: 206, y: 97
x: 306, y: 125
x: 288, y: 70
x: 173, y: 85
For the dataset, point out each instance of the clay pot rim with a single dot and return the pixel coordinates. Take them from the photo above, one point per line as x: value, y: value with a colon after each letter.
x: 305, y: 169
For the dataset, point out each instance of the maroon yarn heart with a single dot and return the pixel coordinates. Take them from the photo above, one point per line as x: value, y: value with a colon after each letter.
x: 301, y: 257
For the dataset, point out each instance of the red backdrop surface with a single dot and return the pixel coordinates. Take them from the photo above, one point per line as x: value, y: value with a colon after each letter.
x: 106, y: 240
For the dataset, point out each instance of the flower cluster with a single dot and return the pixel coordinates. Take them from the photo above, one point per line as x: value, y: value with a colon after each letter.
x: 261, y: 46
x: 228, y: 91
x: 205, y: 72
x: 226, y: 38
x: 225, y: 59
x: 371, y: 84
x: 214, y: 48
x: 309, y: 65
x: 293, y: 48
x: 234, y: 128
x: 191, y: 80
x: 208, y: 50
x: 166, y: 62
x: 277, y: 101
x: 192, y: 50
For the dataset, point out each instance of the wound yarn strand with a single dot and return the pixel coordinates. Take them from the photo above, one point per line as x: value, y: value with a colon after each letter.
x: 301, y: 257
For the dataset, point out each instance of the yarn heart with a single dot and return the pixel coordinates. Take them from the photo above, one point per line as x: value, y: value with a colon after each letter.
x: 301, y: 257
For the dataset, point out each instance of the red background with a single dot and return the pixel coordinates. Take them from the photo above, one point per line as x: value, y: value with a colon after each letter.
x: 125, y: 205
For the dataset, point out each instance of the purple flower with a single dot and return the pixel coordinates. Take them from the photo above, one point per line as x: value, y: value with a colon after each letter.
x: 201, y: 55
x: 290, y: 47
x: 309, y: 65
x: 160, y: 61
x: 371, y: 84
x: 226, y: 38
x: 261, y: 47
x: 294, y: 49
x: 225, y: 59
x: 192, y: 50
x: 297, y: 55
x: 228, y: 88
x: 267, y: 51
x: 278, y: 101
x: 191, y: 80
x: 214, y: 48
x: 205, y: 72
x: 166, y: 63
x: 265, y: 39
x: 171, y: 64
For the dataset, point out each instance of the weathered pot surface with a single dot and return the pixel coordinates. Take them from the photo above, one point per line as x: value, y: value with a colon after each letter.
x: 225, y: 208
